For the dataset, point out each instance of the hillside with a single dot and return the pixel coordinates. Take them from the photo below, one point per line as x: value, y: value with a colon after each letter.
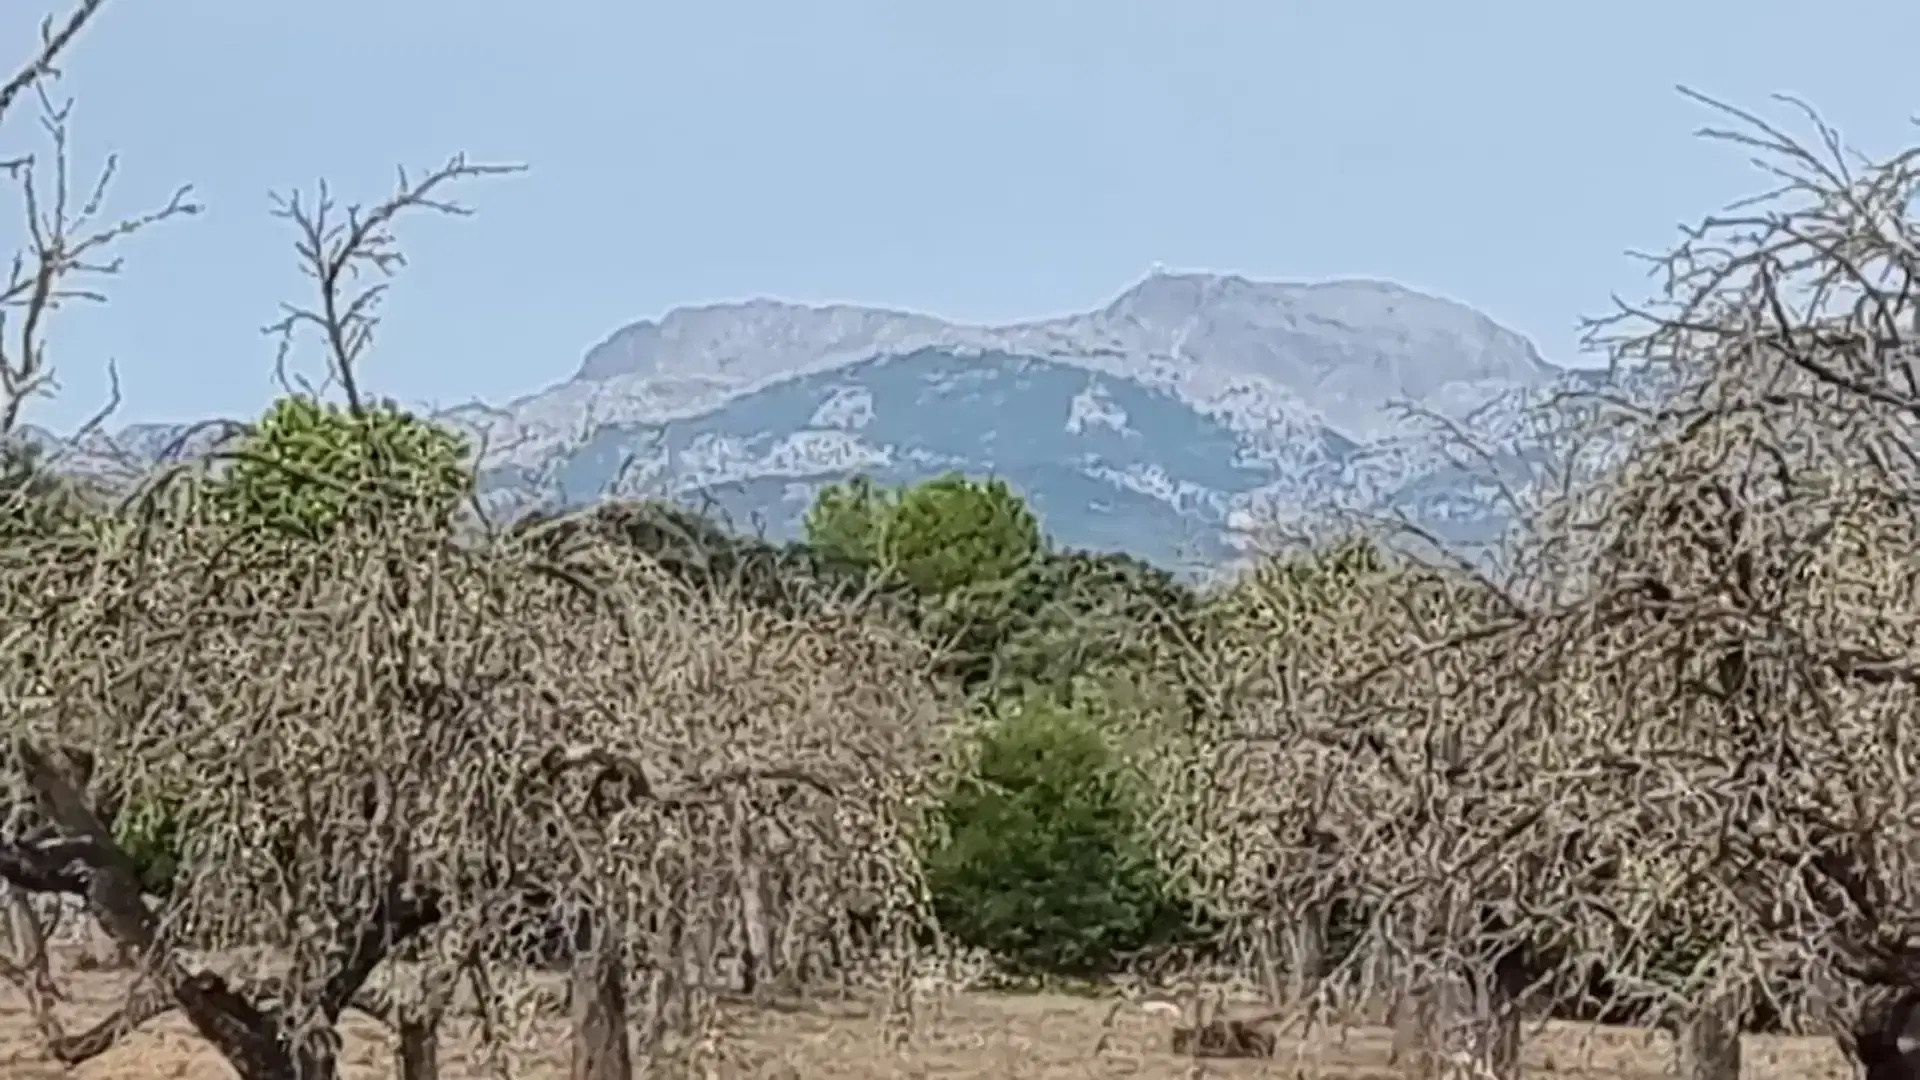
x: 1170, y: 422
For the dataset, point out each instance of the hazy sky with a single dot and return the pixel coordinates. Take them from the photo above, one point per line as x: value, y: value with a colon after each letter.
x: 986, y: 160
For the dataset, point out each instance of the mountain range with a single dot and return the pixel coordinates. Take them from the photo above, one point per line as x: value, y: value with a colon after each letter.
x: 1177, y: 422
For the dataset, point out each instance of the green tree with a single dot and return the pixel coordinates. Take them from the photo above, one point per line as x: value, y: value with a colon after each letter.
x: 1083, y: 614
x: 310, y: 466
x: 960, y: 545
x: 846, y: 519
x: 941, y: 536
x: 953, y: 534
x: 1041, y: 858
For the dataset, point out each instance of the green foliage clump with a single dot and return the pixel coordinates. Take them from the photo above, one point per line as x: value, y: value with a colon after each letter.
x: 1042, y: 858
x: 953, y: 534
x: 961, y: 546
x: 847, y: 520
x: 308, y: 467
x: 150, y: 832
x: 1080, y: 615
x: 944, y: 537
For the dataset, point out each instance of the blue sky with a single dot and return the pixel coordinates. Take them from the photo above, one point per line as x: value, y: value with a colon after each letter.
x: 986, y: 160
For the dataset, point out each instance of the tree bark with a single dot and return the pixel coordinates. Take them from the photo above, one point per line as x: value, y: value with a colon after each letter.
x: 1884, y: 1040
x: 1267, y: 957
x: 599, y: 1007
x: 419, y: 1048
x: 28, y: 945
x: 1410, y: 1018
x: 1708, y: 1042
x: 1306, y: 959
x: 256, y: 1041
x: 1470, y: 1020
x: 757, y: 950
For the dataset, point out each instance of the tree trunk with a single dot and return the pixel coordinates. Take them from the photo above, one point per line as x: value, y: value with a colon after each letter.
x: 1306, y: 955
x: 1410, y: 1018
x: 27, y: 943
x: 106, y: 953
x: 598, y: 990
x: 419, y: 1049
x: 1266, y: 948
x: 1470, y: 1025
x: 757, y: 951
x: 1884, y: 1041
x: 1708, y: 1042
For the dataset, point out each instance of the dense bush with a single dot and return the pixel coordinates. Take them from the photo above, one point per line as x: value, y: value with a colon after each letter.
x: 309, y: 466
x: 1041, y: 858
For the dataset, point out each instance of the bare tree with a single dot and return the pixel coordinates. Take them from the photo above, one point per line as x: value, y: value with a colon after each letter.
x: 1786, y: 335
x: 1324, y: 781
x: 1665, y: 762
x: 391, y: 743
x: 338, y: 245
x: 68, y: 241
x: 402, y: 751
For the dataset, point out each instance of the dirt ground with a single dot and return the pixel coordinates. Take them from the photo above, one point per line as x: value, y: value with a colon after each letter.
x: 1051, y: 1037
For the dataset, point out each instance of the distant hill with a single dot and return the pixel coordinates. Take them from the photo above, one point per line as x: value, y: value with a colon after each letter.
x: 1168, y: 423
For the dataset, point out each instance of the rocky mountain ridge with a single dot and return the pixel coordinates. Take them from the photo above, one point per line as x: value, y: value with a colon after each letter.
x: 1170, y: 422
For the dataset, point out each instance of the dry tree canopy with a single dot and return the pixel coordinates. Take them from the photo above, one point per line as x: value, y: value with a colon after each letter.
x: 390, y: 736
x: 1751, y: 565
x: 1673, y: 752
x: 1325, y: 764
x: 1677, y: 750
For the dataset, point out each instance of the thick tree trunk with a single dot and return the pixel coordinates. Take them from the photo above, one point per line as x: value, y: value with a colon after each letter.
x: 1885, y: 1040
x: 1272, y: 970
x: 419, y: 1048
x: 107, y: 954
x: 599, y: 1006
x: 1708, y: 1042
x: 27, y: 944
x: 1464, y: 1024
x: 1409, y: 1017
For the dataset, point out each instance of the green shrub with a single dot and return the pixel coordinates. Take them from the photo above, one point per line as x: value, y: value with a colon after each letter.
x: 309, y: 466
x: 150, y: 832
x: 1041, y: 858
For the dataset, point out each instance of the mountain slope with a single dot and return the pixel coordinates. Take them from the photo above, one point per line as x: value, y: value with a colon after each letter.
x: 1166, y: 422
x: 1080, y: 444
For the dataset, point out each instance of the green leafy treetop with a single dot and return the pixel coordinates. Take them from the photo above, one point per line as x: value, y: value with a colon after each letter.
x: 942, y: 536
x: 846, y: 519
x: 962, y: 546
x: 1082, y: 614
x: 952, y: 534
x: 310, y: 466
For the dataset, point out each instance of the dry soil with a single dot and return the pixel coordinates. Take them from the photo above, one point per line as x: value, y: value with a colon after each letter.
x: 980, y: 1036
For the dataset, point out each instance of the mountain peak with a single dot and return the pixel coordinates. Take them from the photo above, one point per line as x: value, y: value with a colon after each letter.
x: 1187, y: 411
x: 1361, y: 336
x: 1166, y: 297
x: 740, y: 338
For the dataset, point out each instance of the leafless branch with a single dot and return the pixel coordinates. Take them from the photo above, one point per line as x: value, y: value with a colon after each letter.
x: 68, y: 239
x: 53, y: 42
x: 337, y: 245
